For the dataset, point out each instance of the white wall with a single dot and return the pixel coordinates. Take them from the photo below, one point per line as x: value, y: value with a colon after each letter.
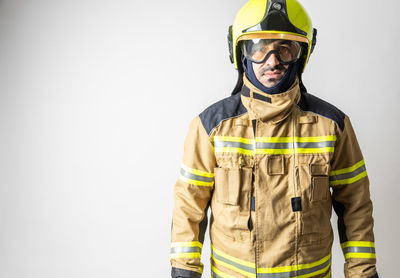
x: 95, y: 102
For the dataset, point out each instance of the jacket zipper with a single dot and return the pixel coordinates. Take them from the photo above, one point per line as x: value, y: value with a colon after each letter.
x: 254, y: 124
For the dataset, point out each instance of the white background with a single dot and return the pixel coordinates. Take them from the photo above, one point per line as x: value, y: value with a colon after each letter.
x: 95, y: 102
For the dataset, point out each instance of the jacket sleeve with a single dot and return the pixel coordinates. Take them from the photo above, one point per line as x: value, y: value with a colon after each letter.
x: 192, y: 193
x: 351, y: 201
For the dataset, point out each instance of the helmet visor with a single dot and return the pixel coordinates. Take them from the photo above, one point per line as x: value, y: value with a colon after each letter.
x: 258, y: 50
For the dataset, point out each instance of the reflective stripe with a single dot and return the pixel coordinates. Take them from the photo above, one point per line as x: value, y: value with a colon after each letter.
x: 348, y: 175
x: 196, y: 177
x: 299, y: 145
x: 233, y: 145
x: 215, y: 273
x: 357, y: 244
x: 329, y: 274
x: 191, y: 249
x: 185, y: 255
x: 233, y: 139
x: 296, y: 139
x: 185, y: 250
x: 302, y: 270
x: 275, y: 145
x: 245, y: 268
x: 248, y: 268
x: 228, y: 144
x: 360, y: 256
x: 359, y: 249
x: 197, y: 172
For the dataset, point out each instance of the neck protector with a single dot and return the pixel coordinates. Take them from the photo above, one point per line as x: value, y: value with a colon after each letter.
x: 282, y: 86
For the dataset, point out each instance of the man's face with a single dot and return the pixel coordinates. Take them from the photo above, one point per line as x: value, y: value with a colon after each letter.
x: 270, y: 72
x: 271, y: 58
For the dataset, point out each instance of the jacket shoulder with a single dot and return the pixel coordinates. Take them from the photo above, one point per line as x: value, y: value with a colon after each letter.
x: 226, y: 108
x: 311, y: 103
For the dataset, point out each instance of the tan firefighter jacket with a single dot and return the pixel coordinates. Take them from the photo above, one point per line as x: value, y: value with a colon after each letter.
x: 271, y: 167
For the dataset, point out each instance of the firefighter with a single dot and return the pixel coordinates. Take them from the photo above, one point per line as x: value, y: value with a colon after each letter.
x: 271, y: 161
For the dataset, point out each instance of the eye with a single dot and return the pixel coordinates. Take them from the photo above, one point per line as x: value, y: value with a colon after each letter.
x: 284, y: 50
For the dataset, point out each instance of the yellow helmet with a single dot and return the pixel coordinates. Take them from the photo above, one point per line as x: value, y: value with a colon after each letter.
x: 272, y: 19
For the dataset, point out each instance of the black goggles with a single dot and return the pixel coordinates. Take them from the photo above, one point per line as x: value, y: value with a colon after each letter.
x: 258, y: 50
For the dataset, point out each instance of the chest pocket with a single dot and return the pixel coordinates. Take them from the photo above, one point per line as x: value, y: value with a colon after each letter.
x: 316, y: 201
x: 319, y: 190
x: 231, y: 201
x: 233, y: 186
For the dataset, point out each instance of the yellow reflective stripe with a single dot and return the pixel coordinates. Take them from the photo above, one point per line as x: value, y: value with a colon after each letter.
x: 197, y: 172
x: 240, y: 266
x: 293, y: 267
x: 328, y: 275
x: 233, y: 139
x: 274, y: 151
x: 298, y: 150
x: 220, y: 273
x: 274, y: 139
x: 185, y: 255
x: 187, y: 244
x: 197, y: 244
x: 295, y: 139
x: 232, y: 145
x: 236, y: 260
x: 357, y: 244
x: 312, y: 274
x: 196, y: 182
x: 310, y: 265
x: 316, y: 138
x: 360, y: 255
x: 316, y: 150
x: 350, y: 180
x: 232, y: 267
x: 348, y: 169
x: 233, y: 150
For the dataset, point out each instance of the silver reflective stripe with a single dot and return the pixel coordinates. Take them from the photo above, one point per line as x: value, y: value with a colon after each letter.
x: 242, y: 267
x: 179, y: 250
x: 359, y: 250
x: 188, y: 175
x: 323, y: 144
x: 296, y: 272
x: 348, y: 175
x: 224, y: 144
x: 299, y: 145
x: 264, y: 145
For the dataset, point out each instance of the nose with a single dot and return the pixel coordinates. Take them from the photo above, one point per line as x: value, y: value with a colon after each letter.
x: 272, y: 60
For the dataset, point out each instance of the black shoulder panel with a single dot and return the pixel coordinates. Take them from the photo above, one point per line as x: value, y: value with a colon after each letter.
x: 309, y: 102
x: 226, y: 108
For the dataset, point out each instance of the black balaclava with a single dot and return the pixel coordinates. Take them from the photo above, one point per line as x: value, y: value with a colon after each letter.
x: 282, y: 86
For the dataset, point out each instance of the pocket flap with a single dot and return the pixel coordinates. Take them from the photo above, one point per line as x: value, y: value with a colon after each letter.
x: 319, y: 169
x: 307, y: 119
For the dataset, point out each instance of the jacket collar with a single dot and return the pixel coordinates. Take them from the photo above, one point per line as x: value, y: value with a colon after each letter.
x: 269, y: 108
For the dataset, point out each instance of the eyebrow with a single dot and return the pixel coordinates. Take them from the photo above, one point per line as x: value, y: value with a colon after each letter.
x: 285, y: 42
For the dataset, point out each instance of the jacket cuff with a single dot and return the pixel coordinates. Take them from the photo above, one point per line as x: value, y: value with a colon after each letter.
x: 375, y: 276
x: 183, y: 273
